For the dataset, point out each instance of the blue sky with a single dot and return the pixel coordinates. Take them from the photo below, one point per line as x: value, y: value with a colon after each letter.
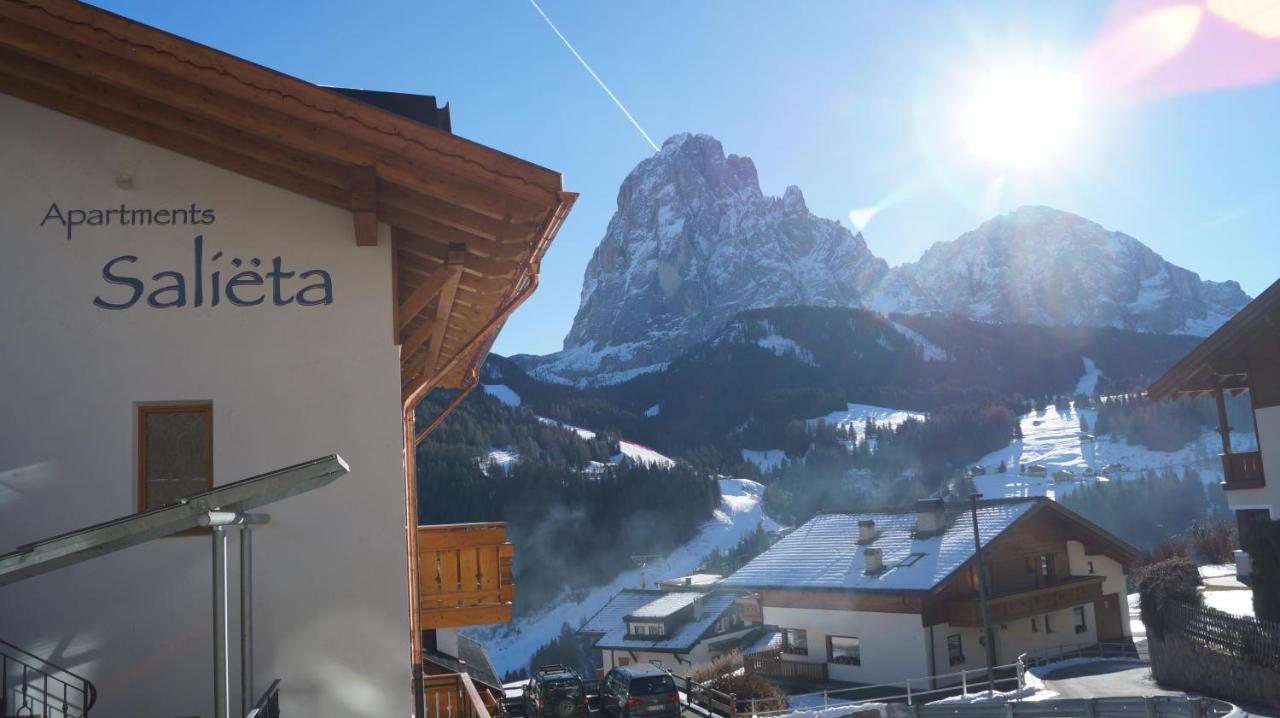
x: 856, y: 103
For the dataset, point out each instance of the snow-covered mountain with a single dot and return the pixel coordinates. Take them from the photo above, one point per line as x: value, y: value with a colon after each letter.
x: 1039, y: 265
x: 693, y: 242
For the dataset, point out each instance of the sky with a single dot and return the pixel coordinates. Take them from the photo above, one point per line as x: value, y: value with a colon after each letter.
x: 871, y: 108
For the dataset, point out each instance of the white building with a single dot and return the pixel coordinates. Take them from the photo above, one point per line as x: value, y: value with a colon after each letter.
x: 213, y: 270
x: 884, y: 597
x: 1242, y: 356
x: 677, y: 630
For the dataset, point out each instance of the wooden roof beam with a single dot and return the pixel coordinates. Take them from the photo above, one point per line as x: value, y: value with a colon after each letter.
x: 364, y: 204
x: 429, y: 172
x: 252, y: 83
x: 428, y: 290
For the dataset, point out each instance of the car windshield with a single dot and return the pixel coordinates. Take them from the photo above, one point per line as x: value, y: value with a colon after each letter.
x: 649, y: 685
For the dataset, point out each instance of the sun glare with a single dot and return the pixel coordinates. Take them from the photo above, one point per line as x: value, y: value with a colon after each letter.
x: 1022, y: 118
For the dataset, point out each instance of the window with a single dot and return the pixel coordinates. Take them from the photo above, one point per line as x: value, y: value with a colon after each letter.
x: 911, y: 559
x: 647, y: 629
x: 1035, y: 626
x: 845, y: 650
x: 955, y: 649
x: 1048, y: 624
x: 1046, y: 567
x: 1081, y: 626
x: 1090, y: 567
x: 175, y: 453
x: 795, y: 641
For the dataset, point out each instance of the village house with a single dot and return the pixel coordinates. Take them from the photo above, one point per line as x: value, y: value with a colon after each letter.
x: 678, y: 628
x: 1242, y: 356
x: 883, y: 597
x: 214, y: 270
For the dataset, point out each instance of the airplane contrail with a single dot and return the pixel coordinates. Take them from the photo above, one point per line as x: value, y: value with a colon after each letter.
x: 594, y: 76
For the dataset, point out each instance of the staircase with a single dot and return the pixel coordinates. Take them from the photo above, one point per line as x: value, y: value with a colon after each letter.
x: 32, y: 686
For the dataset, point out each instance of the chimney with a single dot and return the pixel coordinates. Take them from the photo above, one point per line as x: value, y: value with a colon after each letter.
x: 688, y: 580
x: 930, y: 517
x: 866, y: 531
x: 872, y: 561
x: 697, y: 608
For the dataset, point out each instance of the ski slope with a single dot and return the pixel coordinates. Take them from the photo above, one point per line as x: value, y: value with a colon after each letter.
x: 854, y: 418
x: 510, y: 645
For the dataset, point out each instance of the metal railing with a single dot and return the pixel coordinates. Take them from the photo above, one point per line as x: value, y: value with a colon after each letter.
x: 1053, y: 654
x: 911, y: 691
x: 1144, y: 707
x: 268, y: 705
x: 30, y: 685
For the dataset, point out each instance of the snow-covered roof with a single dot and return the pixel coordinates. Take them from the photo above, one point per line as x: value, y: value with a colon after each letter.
x: 694, y: 579
x: 824, y: 553
x: 665, y: 605
x: 610, y: 622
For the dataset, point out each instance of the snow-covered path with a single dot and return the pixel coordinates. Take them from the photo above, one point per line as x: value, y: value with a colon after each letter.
x: 510, y: 645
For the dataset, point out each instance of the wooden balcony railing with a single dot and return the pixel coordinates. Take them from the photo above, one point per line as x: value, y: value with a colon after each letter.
x: 1070, y: 592
x: 772, y: 665
x: 454, y: 695
x: 464, y: 575
x: 1243, y: 471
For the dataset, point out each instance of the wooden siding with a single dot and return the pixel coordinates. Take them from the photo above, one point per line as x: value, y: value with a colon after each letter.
x: 1002, y: 609
x: 464, y: 575
x: 836, y: 600
x: 454, y: 695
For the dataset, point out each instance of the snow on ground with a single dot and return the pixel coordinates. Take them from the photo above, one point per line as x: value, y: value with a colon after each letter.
x: 765, y: 459
x: 1053, y: 439
x: 504, y: 458
x: 782, y: 346
x: 510, y: 645
x: 1223, y: 591
x: 584, y: 433
x: 1088, y: 383
x: 653, y: 410
x: 928, y: 350
x: 854, y: 418
x: 503, y: 393
x: 642, y: 455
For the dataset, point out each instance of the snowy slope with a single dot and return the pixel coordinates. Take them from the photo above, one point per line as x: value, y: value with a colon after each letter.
x: 503, y: 393
x: 854, y: 418
x: 641, y: 455
x: 510, y: 645
x: 1053, y: 440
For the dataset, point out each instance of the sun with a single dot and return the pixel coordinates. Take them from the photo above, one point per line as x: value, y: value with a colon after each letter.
x: 1022, y: 118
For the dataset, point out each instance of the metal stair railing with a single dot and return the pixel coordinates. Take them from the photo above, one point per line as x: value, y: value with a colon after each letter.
x: 32, y: 686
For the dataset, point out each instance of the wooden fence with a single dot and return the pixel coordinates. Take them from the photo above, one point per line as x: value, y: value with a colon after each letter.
x: 1249, y: 639
x: 771, y: 664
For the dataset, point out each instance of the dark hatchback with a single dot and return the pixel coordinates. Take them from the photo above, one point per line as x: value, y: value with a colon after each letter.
x: 638, y: 690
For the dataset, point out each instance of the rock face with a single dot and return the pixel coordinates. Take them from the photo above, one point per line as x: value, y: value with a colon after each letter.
x: 693, y: 242
x: 1043, y: 266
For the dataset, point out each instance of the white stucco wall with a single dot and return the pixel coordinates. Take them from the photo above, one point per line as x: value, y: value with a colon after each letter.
x: 975, y: 657
x: 1267, y: 424
x: 1016, y: 636
x: 1112, y: 571
x: 287, y: 384
x: 894, y: 645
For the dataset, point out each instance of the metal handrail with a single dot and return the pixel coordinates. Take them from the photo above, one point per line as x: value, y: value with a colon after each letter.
x: 268, y: 705
x: 44, y: 673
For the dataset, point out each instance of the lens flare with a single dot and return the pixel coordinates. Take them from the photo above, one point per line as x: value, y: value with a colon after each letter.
x: 1022, y: 117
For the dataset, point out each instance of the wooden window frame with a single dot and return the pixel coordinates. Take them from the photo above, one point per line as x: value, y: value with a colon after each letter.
x: 143, y: 411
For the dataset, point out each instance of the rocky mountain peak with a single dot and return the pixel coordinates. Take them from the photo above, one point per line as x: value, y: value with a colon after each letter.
x: 693, y: 242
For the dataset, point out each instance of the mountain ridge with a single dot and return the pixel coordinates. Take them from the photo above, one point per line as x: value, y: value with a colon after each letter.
x: 694, y: 241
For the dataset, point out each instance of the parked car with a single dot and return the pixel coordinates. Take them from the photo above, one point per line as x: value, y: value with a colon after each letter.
x: 555, y: 691
x: 640, y: 689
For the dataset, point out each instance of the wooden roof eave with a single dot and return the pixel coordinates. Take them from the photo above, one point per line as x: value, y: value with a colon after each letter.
x: 1213, y: 362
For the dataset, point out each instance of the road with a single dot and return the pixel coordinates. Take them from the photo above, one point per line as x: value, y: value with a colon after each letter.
x: 1120, y: 678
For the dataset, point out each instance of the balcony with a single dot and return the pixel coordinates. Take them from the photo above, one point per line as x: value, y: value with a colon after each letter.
x: 771, y: 664
x: 464, y: 575
x: 1242, y: 471
x: 1069, y: 592
x: 454, y: 695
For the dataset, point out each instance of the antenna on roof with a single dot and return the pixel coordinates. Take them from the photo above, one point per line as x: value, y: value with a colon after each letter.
x: 642, y: 561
